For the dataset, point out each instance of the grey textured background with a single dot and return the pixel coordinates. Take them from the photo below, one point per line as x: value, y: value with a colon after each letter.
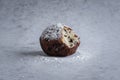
x: 97, y: 22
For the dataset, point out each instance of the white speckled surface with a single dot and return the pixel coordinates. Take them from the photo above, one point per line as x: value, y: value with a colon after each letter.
x: 96, y: 21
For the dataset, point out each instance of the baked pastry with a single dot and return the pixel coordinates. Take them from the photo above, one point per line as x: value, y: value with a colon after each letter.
x: 59, y: 40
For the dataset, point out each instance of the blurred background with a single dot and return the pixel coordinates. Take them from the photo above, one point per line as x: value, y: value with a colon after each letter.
x: 95, y: 21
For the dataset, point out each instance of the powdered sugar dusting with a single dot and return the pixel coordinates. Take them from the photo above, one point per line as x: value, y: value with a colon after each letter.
x: 59, y: 25
x: 79, y: 56
x: 52, y: 32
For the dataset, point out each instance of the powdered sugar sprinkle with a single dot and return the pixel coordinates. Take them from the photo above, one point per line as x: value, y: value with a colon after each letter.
x: 52, y: 32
